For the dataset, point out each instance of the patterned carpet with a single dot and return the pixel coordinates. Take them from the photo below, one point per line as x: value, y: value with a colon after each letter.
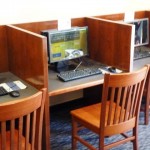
x: 61, y: 130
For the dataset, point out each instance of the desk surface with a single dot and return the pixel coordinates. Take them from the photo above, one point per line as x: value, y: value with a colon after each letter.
x: 57, y: 87
x: 8, y: 77
x: 137, y: 64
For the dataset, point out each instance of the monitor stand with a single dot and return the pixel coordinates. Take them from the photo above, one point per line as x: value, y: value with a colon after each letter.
x: 63, y: 66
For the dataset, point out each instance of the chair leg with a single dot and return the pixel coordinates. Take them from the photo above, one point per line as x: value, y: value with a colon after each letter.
x: 147, y: 104
x: 101, y: 143
x: 147, y: 111
x: 135, y: 141
x: 74, y: 132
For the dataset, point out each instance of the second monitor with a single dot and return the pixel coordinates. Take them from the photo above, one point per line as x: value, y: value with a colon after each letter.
x: 64, y: 45
x: 141, y: 31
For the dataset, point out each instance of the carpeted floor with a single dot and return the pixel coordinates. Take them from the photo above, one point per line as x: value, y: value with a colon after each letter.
x: 61, y: 130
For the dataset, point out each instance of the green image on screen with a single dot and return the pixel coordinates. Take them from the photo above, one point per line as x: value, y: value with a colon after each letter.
x: 68, y: 44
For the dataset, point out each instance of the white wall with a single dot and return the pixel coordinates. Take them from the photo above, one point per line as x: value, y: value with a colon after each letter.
x: 19, y: 11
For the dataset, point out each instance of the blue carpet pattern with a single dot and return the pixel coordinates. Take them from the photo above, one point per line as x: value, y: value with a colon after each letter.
x: 60, y: 124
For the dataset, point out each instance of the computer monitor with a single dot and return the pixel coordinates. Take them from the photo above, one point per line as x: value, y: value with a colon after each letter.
x: 64, y: 45
x: 141, y: 31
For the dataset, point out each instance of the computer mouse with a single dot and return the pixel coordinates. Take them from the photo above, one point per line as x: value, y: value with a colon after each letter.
x: 112, y: 69
x: 14, y: 93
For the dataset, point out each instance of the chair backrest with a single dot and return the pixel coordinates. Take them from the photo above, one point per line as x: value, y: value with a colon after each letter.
x: 21, y: 122
x: 121, y: 99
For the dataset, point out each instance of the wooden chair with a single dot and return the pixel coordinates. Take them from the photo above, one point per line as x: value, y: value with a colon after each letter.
x: 117, y: 113
x: 146, y: 96
x: 21, y: 123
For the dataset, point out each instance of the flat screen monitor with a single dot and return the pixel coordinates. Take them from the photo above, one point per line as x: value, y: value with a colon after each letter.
x: 64, y: 45
x: 141, y: 31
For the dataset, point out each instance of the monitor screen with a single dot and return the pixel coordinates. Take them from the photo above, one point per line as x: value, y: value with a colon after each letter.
x: 141, y: 31
x: 66, y: 44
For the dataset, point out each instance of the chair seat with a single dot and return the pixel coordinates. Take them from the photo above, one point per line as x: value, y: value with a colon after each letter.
x: 90, y: 115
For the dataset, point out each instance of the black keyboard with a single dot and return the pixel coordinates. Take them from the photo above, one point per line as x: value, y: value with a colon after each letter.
x: 77, y: 74
x: 3, y: 91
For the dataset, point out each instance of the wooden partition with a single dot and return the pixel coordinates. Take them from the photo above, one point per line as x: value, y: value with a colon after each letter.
x: 120, y: 16
x: 141, y: 14
x: 24, y: 54
x: 28, y: 56
x: 113, y: 17
x: 37, y: 27
x: 3, y: 50
x: 111, y: 42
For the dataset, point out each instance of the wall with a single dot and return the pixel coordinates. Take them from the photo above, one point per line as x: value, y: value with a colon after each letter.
x: 18, y: 11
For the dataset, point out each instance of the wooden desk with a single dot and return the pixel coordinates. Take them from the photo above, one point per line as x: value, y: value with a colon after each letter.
x: 8, y: 77
x: 57, y: 87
